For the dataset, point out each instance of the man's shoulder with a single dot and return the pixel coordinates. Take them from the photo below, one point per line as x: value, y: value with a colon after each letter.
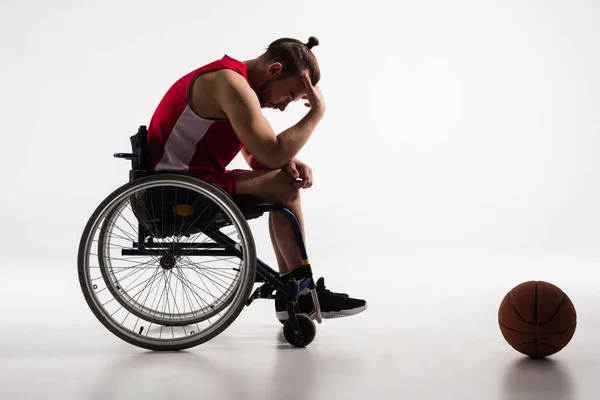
x: 226, y: 66
x: 229, y: 78
x: 231, y: 81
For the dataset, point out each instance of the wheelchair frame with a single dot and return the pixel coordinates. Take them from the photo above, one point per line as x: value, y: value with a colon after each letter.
x: 299, y: 330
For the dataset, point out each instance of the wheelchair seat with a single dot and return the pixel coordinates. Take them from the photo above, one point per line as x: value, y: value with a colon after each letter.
x: 164, y: 205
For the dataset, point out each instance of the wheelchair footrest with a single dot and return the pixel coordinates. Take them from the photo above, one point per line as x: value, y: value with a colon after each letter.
x: 294, y: 283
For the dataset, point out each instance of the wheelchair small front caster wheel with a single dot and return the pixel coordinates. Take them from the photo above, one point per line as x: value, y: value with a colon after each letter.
x: 307, y: 333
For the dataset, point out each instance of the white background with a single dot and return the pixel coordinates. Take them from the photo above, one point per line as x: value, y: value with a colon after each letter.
x: 467, y: 125
x: 464, y: 127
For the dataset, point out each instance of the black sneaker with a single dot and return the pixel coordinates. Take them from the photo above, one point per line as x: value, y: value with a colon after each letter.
x: 333, y: 305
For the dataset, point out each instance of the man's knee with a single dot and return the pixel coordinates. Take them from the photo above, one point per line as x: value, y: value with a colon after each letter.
x: 271, y: 185
x: 286, y: 193
x: 291, y: 197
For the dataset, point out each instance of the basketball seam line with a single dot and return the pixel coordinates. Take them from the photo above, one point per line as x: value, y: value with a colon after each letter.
x: 555, y: 312
x: 542, y: 343
x: 536, y: 304
x: 517, y: 311
x: 559, y: 332
x: 541, y: 333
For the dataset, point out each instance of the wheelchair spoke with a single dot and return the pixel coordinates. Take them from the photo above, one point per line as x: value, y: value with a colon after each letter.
x: 186, y: 287
x: 207, y: 304
x: 146, y: 283
x: 130, y: 269
x: 218, y: 272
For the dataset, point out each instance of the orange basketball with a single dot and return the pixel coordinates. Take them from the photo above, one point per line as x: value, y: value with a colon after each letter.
x: 537, y: 319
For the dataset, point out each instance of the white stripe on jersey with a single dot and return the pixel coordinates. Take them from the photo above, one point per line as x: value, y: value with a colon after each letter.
x: 181, y: 144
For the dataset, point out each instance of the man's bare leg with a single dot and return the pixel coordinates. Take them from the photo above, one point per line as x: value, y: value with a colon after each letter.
x: 277, y: 187
x: 280, y: 260
x: 284, y: 237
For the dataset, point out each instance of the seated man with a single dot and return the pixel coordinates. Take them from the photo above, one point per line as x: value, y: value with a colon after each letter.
x: 212, y: 113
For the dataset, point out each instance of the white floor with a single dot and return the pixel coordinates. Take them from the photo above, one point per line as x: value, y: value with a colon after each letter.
x: 430, y: 333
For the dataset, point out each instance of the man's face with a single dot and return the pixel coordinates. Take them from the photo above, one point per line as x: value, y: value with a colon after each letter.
x: 278, y: 93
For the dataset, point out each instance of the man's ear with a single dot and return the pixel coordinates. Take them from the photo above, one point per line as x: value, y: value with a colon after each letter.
x: 274, y: 70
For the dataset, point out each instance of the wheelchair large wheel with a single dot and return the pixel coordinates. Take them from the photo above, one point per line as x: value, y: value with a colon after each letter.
x: 144, y: 279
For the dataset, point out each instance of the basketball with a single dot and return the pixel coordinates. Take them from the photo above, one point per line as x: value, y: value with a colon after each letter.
x: 537, y: 319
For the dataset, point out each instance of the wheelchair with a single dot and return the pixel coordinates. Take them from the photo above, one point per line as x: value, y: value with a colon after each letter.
x: 145, y: 267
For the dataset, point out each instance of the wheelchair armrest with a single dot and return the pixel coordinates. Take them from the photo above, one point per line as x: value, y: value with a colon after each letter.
x: 127, y: 156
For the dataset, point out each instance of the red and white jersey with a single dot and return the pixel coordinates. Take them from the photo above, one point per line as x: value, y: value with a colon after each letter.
x: 181, y: 140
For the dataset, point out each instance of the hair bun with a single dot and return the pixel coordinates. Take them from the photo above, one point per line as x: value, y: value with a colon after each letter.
x: 312, y: 42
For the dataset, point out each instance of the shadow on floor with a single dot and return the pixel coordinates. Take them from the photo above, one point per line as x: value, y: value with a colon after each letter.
x: 529, y: 378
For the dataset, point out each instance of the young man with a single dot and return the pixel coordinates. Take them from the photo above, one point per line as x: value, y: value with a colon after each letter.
x: 212, y: 113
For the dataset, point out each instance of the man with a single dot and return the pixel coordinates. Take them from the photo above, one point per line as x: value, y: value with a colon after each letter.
x: 211, y: 114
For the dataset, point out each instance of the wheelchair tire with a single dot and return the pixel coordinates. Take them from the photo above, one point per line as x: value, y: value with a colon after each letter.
x: 308, y: 331
x: 244, y: 287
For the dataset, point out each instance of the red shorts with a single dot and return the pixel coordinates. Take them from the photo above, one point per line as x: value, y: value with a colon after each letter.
x: 225, y: 180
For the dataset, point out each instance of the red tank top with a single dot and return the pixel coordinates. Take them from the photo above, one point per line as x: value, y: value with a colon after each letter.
x: 181, y: 140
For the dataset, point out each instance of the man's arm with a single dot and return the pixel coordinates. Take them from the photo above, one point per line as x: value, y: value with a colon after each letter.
x: 242, y: 107
x: 251, y: 160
